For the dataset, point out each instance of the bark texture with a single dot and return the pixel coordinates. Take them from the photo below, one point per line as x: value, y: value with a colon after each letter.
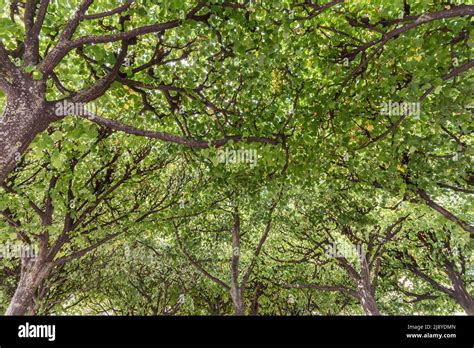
x: 26, y: 115
x: 33, y: 273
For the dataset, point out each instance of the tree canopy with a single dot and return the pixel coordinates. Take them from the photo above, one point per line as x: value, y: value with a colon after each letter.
x: 290, y: 157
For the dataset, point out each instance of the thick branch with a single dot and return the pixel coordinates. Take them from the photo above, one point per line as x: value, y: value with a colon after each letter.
x: 447, y: 214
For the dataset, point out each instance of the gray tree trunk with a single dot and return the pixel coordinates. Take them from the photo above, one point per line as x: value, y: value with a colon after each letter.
x: 367, y: 300
x: 33, y: 273
x: 236, y: 296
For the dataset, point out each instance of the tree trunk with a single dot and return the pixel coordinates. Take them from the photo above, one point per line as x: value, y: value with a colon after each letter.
x: 235, y: 290
x: 33, y: 273
x: 365, y: 291
x: 24, y: 117
x: 466, y: 302
x: 367, y: 300
x: 255, y: 306
x: 460, y: 293
x: 236, y: 296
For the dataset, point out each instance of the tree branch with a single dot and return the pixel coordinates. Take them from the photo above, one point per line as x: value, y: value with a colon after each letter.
x: 170, y: 138
x: 397, y: 123
x: 447, y: 214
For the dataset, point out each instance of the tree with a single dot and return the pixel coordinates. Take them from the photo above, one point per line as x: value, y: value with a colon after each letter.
x: 327, y: 241
x: 238, y: 275
x: 76, y: 206
x: 35, y: 92
x: 441, y: 254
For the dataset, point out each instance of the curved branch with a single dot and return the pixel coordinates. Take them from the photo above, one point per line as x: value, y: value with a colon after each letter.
x: 397, y: 123
x: 197, y: 265
x: 458, y: 11
x: 336, y: 288
x: 65, y: 45
x: 110, y: 12
x: 447, y: 214
x: 170, y: 138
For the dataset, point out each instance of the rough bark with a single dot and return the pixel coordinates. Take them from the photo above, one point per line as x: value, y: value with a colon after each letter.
x: 25, y: 116
x: 33, y: 274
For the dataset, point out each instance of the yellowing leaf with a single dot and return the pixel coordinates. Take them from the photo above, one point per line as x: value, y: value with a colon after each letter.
x: 401, y: 168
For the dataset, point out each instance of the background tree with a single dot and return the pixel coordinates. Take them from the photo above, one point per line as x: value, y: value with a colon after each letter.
x: 72, y: 202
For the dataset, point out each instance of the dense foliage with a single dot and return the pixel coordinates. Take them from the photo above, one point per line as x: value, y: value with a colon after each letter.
x: 290, y: 157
